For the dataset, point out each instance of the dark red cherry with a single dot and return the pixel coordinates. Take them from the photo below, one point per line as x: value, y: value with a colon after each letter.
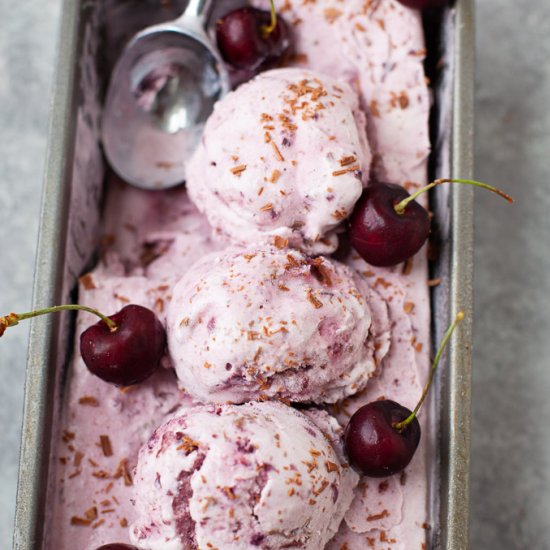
x: 388, y: 226
x: 374, y: 446
x: 381, y: 236
x: 128, y: 354
x: 381, y: 437
x: 245, y: 43
x: 424, y: 4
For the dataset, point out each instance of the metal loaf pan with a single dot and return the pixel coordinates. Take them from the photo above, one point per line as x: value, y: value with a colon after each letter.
x: 68, y: 229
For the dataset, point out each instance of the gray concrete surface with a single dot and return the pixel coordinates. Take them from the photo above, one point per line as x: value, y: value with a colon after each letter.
x: 511, y: 451
x: 28, y: 31
x: 511, y: 448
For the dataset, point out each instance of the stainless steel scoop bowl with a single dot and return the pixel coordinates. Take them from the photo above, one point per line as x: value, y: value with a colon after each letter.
x: 162, y: 90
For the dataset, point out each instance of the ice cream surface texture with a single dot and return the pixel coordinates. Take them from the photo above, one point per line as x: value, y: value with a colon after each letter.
x: 247, y: 324
x: 283, y: 157
x: 257, y: 475
x: 377, y: 47
x: 152, y: 240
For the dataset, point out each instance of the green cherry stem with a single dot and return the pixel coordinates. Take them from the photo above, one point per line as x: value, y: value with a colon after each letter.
x: 400, y: 206
x: 13, y: 319
x: 268, y: 29
x: 400, y: 426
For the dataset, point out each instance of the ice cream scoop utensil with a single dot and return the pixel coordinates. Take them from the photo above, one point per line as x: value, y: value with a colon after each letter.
x: 161, y: 92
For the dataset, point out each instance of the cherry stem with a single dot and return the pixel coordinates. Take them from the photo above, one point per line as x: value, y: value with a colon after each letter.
x: 268, y: 29
x: 13, y: 319
x: 400, y: 206
x: 400, y: 426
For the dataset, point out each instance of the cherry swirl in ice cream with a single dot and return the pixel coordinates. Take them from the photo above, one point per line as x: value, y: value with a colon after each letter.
x: 257, y: 475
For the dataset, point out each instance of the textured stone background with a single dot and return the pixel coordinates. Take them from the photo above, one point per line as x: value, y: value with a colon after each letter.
x: 511, y: 449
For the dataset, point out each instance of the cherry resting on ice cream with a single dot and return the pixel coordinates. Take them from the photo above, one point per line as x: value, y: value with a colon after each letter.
x: 381, y: 437
x: 374, y: 446
x: 252, y: 39
x: 117, y: 546
x: 130, y: 353
x: 388, y: 226
x: 123, y: 349
x: 380, y: 235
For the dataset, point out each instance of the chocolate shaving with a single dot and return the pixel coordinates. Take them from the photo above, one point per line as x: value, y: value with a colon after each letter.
x: 407, y: 266
x: 83, y: 522
x: 280, y: 242
x: 91, y: 513
x: 277, y: 151
x: 105, y: 444
x: 238, y: 170
x: 229, y: 493
x: 311, y: 465
x: 346, y: 161
x: 332, y: 14
x: 88, y: 400
x: 346, y: 170
x: 317, y: 304
x: 321, y: 488
x: 78, y: 458
x: 376, y: 517
x: 123, y: 471
x: 87, y: 281
x: 320, y: 272
x: 68, y: 436
x: 98, y: 523
x: 275, y: 176
x: 187, y: 445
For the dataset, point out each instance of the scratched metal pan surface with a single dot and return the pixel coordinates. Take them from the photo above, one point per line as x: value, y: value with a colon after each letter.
x: 69, y: 226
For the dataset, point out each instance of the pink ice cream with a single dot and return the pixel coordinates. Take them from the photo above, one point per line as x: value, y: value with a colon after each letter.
x: 394, y: 509
x: 282, y: 159
x: 102, y: 433
x: 376, y: 49
x: 149, y: 240
x: 259, y: 475
x: 267, y: 323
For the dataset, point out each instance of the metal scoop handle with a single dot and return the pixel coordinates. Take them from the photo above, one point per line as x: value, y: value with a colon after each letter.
x: 198, y: 9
